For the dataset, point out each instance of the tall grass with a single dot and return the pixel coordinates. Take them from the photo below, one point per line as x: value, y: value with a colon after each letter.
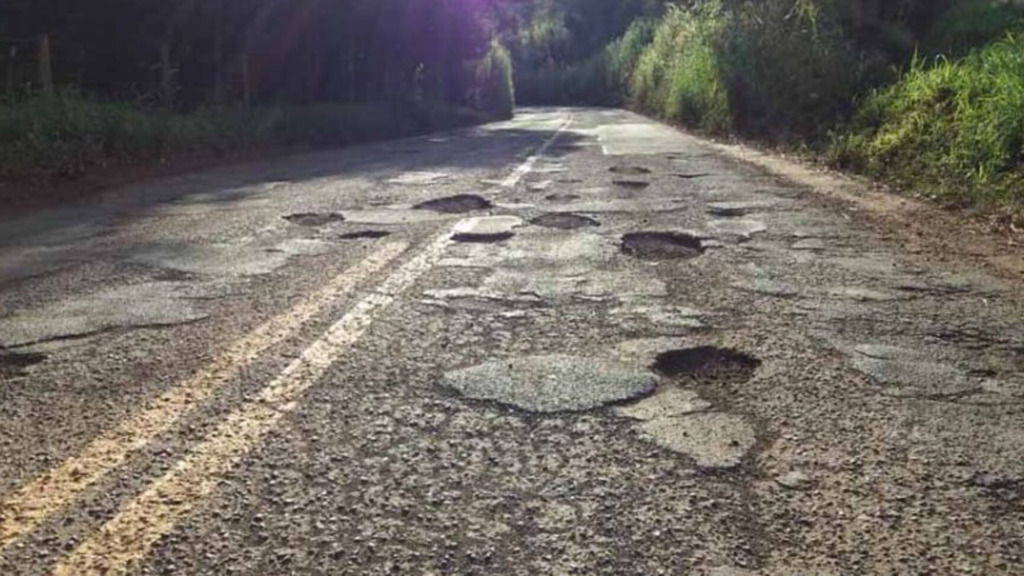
x: 495, y: 93
x: 760, y: 68
x: 679, y: 76
x: 601, y: 80
x: 70, y: 134
x: 951, y: 128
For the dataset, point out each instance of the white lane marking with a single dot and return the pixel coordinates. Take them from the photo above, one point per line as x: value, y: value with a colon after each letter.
x: 128, y: 537
x: 523, y: 169
x: 51, y: 492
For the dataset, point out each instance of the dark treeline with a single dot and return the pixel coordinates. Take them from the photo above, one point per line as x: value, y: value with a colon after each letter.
x: 90, y: 83
x: 193, y: 52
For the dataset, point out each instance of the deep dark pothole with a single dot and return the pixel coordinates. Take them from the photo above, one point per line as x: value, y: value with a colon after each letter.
x: 482, y: 238
x: 662, y: 245
x: 707, y: 365
x: 632, y: 184
x: 458, y: 204
x: 629, y: 170
x: 564, y: 221
x: 364, y: 235
x: 13, y: 364
x: 314, y: 219
x: 561, y: 197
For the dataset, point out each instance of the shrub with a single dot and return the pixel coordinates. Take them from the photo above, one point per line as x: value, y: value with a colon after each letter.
x: 954, y: 128
x: 762, y: 68
x: 679, y: 77
x: 70, y: 134
x: 970, y: 23
x: 495, y: 90
x: 582, y: 83
x: 624, y: 55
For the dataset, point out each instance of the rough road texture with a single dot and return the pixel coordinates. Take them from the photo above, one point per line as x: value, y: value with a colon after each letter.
x: 153, y: 422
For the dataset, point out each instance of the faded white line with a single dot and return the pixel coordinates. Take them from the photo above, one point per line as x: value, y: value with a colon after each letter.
x: 523, y: 169
x: 48, y: 494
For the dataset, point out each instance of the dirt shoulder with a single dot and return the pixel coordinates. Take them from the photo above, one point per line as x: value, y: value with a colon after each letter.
x: 920, y: 227
x: 20, y: 197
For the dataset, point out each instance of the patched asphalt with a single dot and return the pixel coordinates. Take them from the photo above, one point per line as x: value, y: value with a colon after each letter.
x: 726, y: 376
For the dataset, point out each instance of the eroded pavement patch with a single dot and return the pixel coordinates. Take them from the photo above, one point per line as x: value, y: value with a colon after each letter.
x: 140, y: 305
x: 662, y: 245
x: 458, y: 204
x: 552, y: 383
x: 564, y: 221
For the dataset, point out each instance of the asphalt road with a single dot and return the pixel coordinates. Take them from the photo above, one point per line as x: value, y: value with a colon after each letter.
x: 578, y: 342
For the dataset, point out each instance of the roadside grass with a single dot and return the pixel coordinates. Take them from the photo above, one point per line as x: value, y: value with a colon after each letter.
x: 601, y: 80
x: 495, y: 94
x: 70, y: 134
x: 951, y: 129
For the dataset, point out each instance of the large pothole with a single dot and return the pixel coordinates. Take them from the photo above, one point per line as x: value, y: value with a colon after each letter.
x: 707, y: 365
x: 629, y: 170
x: 562, y: 197
x: 458, y: 204
x: 552, y: 383
x: 364, y: 235
x: 662, y: 245
x: 14, y: 364
x: 564, y: 221
x: 314, y: 219
x: 632, y: 184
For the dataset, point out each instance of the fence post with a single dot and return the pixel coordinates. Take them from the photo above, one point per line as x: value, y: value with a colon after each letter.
x: 45, y: 66
x: 12, y: 56
x: 246, y: 81
x: 166, y: 77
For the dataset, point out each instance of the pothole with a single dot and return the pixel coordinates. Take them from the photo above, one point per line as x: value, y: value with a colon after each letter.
x: 662, y: 245
x: 552, y: 383
x: 458, y: 204
x: 13, y: 364
x: 314, y: 219
x: 364, y: 235
x: 689, y: 176
x: 632, y: 184
x: 629, y: 170
x: 561, y: 197
x: 707, y: 365
x: 736, y: 209
x: 564, y: 221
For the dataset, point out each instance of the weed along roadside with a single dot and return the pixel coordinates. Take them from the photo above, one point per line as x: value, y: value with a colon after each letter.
x: 927, y: 96
x: 71, y: 107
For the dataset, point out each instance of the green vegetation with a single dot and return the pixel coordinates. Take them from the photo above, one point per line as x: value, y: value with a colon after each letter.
x: 952, y: 128
x: 67, y: 135
x: 106, y: 82
x: 927, y: 94
x: 495, y: 93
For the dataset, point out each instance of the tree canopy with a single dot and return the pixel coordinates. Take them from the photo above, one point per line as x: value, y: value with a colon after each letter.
x: 291, y: 50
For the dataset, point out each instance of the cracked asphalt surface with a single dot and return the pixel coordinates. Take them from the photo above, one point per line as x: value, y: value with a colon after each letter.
x: 577, y: 342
